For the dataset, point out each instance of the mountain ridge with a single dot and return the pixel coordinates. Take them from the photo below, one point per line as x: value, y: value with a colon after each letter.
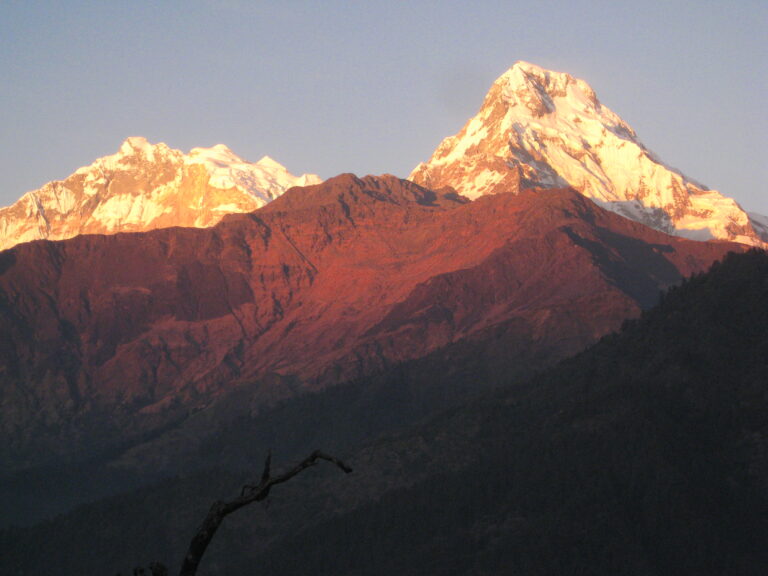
x: 542, y: 128
x: 146, y: 186
x: 536, y: 128
x: 130, y: 330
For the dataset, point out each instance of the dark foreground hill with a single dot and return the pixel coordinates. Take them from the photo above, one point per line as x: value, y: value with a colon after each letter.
x: 645, y: 454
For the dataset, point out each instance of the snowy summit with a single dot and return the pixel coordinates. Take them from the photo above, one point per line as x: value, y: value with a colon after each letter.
x: 545, y: 129
x: 146, y: 186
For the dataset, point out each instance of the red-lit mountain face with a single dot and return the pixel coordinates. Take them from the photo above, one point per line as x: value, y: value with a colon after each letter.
x: 104, y: 339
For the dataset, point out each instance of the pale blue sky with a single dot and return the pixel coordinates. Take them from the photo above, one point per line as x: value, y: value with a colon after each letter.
x: 366, y: 87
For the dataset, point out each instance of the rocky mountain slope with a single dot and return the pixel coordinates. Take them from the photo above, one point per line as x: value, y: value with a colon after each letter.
x: 106, y: 339
x: 143, y: 187
x: 542, y: 128
x: 645, y: 454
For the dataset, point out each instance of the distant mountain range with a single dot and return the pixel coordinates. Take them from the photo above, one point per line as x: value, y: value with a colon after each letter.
x: 536, y: 129
x: 143, y: 187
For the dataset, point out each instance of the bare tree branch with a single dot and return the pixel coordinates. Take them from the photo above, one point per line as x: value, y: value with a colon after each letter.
x: 249, y: 493
x: 267, y: 465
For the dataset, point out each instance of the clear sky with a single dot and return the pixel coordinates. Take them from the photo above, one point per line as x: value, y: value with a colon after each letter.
x: 370, y: 87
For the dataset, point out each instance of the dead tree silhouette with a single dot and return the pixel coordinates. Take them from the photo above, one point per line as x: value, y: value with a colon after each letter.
x: 221, y: 509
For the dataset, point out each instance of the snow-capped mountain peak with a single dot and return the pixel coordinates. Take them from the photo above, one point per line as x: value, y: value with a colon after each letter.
x: 265, y: 180
x: 540, y: 128
x: 144, y: 186
x: 535, y: 88
x: 134, y: 151
x: 219, y: 153
x: 138, y: 144
x: 268, y: 162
